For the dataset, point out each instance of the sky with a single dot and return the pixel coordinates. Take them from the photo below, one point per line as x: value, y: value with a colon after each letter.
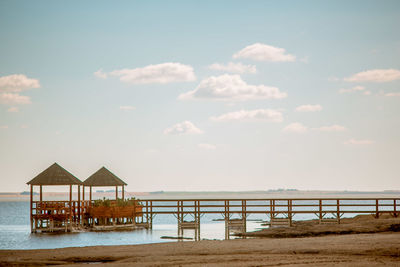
x: 202, y: 95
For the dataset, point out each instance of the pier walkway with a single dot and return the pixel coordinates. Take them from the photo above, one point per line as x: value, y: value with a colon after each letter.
x: 234, y: 212
x: 280, y: 212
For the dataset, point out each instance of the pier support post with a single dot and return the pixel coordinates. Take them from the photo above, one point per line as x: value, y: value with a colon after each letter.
x: 227, y: 218
x: 180, y: 217
x: 320, y: 211
x: 290, y: 214
x: 70, y: 207
x: 377, y: 209
x: 197, y: 219
x: 31, y: 208
x: 244, y: 216
x: 79, y: 205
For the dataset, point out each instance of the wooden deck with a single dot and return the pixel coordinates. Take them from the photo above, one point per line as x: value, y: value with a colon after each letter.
x: 188, y: 212
x: 279, y: 211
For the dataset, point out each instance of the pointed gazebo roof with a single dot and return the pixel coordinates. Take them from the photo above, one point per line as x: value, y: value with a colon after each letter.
x: 55, y: 175
x: 103, y: 177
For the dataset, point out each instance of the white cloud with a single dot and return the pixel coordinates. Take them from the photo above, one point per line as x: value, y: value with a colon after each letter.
x: 101, y: 74
x: 295, y: 127
x: 13, y: 99
x: 309, y: 108
x: 263, y: 52
x: 376, y: 75
x: 332, y: 128
x: 126, y: 108
x: 357, y: 88
x: 231, y: 88
x: 268, y: 115
x: 359, y: 142
x: 159, y: 73
x: 234, y: 68
x: 393, y: 94
x: 185, y: 127
x: 207, y: 146
x: 13, y: 109
x: 367, y: 93
x: 3, y: 126
x: 17, y: 83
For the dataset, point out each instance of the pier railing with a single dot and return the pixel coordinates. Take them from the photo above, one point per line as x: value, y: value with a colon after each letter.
x: 275, y: 208
x: 234, y: 212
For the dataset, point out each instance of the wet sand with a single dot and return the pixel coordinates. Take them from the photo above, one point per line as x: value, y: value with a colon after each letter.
x: 344, y: 250
x: 359, y: 241
x: 361, y: 224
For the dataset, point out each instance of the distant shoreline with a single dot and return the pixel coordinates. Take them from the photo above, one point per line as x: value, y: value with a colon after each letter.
x: 17, y: 196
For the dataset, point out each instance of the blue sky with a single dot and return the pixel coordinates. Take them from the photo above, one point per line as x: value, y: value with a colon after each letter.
x: 279, y: 94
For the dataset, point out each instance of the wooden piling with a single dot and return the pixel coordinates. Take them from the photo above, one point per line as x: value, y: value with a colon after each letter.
x: 31, y: 207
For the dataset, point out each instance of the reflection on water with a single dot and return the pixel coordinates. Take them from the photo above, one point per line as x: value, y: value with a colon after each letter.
x: 15, y: 231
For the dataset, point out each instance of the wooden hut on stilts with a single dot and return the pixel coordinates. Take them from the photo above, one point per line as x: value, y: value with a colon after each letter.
x: 50, y: 216
x: 110, y: 214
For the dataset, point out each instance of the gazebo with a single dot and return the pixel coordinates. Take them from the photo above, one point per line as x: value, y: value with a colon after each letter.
x: 44, y: 213
x: 104, y: 214
x: 103, y: 178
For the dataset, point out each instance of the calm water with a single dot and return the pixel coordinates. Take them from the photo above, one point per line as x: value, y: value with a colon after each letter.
x: 15, y: 231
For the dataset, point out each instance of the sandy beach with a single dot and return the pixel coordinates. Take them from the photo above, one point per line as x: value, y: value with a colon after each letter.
x: 353, y: 249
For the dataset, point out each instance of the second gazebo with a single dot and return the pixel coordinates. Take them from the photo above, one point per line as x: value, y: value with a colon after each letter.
x: 104, y: 178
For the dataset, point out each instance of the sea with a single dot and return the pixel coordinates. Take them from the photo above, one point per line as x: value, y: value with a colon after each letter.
x: 15, y: 229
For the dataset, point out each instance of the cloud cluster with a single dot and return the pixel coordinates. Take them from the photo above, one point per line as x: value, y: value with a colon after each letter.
x: 17, y: 83
x: 354, y: 89
x: 332, y: 128
x: 393, y: 94
x: 233, y: 68
x: 185, y: 127
x: 14, y: 99
x: 231, y: 88
x: 263, y: 52
x: 359, y: 142
x: 268, y: 115
x: 100, y: 74
x: 297, y: 127
x: 160, y: 73
x: 376, y: 75
x: 11, y: 85
x: 309, y: 108
x: 13, y: 109
x: 357, y: 88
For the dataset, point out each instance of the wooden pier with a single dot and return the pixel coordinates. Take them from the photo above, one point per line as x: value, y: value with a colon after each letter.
x: 121, y: 213
x: 280, y: 212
